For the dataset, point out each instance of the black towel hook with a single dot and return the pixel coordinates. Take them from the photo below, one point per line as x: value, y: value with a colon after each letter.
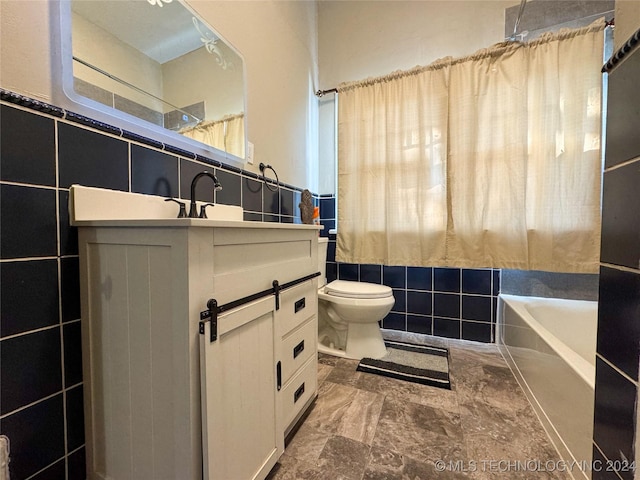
x: 264, y: 167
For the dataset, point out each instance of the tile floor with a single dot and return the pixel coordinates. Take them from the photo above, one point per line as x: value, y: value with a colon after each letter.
x: 365, y: 426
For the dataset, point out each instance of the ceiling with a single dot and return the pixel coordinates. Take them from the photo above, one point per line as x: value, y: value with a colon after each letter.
x: 161, y: 33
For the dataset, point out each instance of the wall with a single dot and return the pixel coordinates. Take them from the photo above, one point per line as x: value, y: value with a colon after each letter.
x: 26, y: 59
x: 618, y: 348
x: 360, y: 39
x: 452, y: 302
x: 327, y: 145
x: 577, y: 286
x: 41, y: 155
x: 102, y: 49
x: 40, y: 398
x: 627, y: 20
x: 541, y: 16
x: 277, y: 40
x: 196, y: 77
x: 445, y: 302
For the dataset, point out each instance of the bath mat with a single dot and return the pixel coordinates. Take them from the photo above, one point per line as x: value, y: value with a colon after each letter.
x: 414, y: 363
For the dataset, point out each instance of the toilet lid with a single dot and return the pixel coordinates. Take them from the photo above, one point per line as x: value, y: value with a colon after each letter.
x: 342, y: 288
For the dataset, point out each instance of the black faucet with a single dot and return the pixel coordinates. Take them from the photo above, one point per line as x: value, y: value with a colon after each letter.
x: 193, y: 210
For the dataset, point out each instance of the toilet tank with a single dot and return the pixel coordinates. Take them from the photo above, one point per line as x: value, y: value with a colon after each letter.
x: 323, y: 243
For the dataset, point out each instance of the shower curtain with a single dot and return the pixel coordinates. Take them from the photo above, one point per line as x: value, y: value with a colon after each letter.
x: 226, y: 134
x: 491, y: 160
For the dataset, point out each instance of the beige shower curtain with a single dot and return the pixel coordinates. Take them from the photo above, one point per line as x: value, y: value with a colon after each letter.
x: 487, y: 161
x: 235, y: 135
x: 226, y: 134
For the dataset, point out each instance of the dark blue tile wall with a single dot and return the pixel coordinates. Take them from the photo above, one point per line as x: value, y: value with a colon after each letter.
x: 446, y: 279
x: 28, y: 152
x: 270, y: 201
x: 618, y: 354
x: 72, y: 335
x: 619, y: 311
x: 37, y: 436
x: 601, y: 470
x: 251, y: 195
x: 29, y: 296
x: 31, y: 368
x: 204, y: 188
x: 614, y: 421
x: 68, y: 236
x: 41, y: 389
x: 29, y: 213
x: 55, y: 471
x: 419, y: 278
x: 75, y: 418
x: 368, y: 273
x: 231, y: 193
x: 328, y: 214
x: 445, y: 302
x: 621, y: 225
x: 107, y: 166
x: 623, y: 142
x: 533, y: 283
x: 153, y: 172
x: 76, y: 465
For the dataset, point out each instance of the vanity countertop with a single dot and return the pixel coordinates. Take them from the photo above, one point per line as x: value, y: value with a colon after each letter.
x: 191, y: 222
x: 99, y: 207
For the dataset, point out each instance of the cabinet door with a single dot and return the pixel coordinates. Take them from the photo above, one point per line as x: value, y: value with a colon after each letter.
x: 241, y: 434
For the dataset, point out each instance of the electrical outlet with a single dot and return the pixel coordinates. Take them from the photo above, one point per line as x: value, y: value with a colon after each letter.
x: 250, y: 153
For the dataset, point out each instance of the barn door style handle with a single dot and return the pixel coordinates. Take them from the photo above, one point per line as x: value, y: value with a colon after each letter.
x: 279, y: 375
x: 298, y: 349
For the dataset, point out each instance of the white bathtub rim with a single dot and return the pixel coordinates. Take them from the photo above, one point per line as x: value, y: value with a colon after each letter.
x: 554, y: 435
x: 582, y: 367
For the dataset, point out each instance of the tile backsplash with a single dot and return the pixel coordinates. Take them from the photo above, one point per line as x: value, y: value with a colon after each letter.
x: 576, y: 286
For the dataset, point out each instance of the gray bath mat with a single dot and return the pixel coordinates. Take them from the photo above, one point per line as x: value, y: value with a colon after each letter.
x: 413, y: 363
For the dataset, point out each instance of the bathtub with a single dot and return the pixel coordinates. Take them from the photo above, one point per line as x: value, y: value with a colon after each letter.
x: 550, y: 345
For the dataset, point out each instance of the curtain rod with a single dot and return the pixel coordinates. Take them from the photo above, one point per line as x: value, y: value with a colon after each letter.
x: 321, y: 93
x: 514, y: 35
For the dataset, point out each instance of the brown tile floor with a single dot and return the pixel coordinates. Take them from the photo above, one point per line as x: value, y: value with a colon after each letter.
x: 365, y: 426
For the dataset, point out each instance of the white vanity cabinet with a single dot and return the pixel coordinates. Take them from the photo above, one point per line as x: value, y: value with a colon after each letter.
x: 145, y: 287
x: 297, y: 331
x: 240, y: 418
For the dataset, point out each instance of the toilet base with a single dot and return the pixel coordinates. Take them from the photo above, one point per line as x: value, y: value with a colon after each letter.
x: 322, y: 348
x: 363, y: 340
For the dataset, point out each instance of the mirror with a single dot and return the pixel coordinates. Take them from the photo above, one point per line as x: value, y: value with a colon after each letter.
x: 158, y: 61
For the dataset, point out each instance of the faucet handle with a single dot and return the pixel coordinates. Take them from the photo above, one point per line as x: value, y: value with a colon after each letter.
x: 203, y: 213
x: 183, y: 211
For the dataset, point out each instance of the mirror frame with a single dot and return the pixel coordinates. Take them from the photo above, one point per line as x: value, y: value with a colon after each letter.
x: 64, y: 95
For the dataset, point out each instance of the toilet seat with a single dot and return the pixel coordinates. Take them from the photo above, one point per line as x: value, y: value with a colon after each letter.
x: 346, y: 289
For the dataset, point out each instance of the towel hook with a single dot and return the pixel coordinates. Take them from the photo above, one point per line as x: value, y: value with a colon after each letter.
x: 264, y: 167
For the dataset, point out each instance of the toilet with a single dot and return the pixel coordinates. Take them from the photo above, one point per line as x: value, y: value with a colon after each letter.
x: 348, y: 314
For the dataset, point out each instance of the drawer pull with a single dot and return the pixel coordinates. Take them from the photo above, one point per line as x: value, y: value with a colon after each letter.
x: 299, y: 305
x: 297, y: 350
x: 298, y: 393
x: 279, y: 375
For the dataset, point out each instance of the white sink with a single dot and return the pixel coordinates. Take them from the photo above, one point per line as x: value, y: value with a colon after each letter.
x: 99, y: 204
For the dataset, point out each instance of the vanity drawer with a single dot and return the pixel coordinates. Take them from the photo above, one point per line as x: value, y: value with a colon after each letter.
x: 299, y: 390
x: 296, y: 305
x: 297, y: 346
